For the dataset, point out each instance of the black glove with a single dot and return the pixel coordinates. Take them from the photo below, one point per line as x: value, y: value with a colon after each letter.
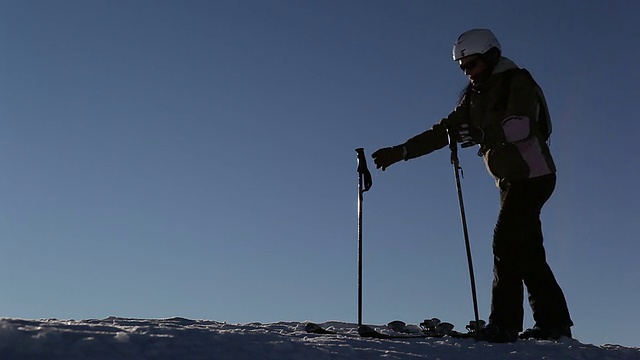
x: 468, y: 135
x: 385, y: 157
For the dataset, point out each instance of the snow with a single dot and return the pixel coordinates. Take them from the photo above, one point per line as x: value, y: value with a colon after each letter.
x: 185, y: 339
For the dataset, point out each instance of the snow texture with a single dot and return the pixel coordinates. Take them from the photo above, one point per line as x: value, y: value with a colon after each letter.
x: 178, y: 338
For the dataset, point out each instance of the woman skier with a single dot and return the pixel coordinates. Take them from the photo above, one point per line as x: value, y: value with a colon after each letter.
x: 504, y: 112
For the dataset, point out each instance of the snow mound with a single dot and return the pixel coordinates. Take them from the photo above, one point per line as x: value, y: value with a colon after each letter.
x: 185, y: 339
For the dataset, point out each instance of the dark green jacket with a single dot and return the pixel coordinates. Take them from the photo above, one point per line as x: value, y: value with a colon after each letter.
x: 514, y: 147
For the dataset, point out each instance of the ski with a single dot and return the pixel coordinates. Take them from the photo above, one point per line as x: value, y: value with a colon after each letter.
x: 402, y: 330
x: 369, y: 332
x: 462, y: 335
x: 429, y: 328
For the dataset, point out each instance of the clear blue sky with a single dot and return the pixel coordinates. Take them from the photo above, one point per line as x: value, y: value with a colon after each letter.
x: 196, y: 159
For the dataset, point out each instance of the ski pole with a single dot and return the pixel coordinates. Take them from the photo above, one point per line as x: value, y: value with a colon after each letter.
x: 364, y: 184
x: 456, y: 167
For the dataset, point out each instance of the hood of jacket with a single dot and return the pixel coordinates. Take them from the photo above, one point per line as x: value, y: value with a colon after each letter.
x: 503, y: 65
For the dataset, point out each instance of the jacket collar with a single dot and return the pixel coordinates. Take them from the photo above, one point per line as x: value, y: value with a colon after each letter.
x: 503, y: 65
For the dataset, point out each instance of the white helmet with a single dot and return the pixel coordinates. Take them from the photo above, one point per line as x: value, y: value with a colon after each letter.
x: 475, y: 41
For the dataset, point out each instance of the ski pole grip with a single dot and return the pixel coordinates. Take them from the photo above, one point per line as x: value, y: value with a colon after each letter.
x: 363, y: 170
x: 450, y: 136
x: 453, y: 145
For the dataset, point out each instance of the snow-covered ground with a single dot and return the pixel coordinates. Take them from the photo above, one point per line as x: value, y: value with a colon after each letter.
x: 184, y: 339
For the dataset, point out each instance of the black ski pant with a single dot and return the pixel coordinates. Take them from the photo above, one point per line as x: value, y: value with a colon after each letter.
x: 519, y: 257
